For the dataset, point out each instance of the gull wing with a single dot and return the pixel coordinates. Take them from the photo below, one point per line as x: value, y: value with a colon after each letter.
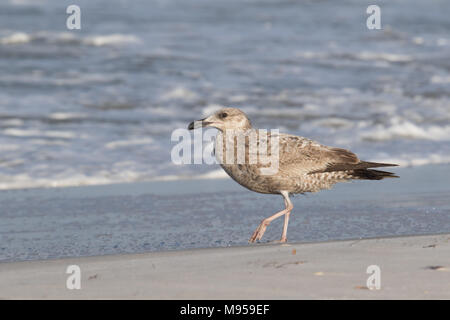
x: 307, y: 156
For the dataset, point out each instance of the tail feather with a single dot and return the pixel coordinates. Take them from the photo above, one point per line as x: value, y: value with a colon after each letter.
x: 370, y: 174
x: 368, y: 164
x: 355, y: 166
x: 360, y: 170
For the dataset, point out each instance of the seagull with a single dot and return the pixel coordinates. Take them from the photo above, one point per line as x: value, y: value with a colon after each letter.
x: 303, y: 165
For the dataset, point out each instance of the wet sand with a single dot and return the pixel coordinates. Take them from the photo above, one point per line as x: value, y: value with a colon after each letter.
x: 410, y: 268
x: 39, y: 224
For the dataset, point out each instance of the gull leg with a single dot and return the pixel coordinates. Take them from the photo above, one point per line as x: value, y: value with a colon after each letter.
x: 259, y: 232
x: 286, y: 218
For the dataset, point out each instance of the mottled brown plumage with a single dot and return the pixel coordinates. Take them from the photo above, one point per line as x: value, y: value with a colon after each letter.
x: 302, y: 165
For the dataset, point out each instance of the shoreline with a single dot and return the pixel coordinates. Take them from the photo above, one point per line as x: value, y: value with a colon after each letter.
x: 256, y: 244
x: 164, y: 186
x: 415, y: 267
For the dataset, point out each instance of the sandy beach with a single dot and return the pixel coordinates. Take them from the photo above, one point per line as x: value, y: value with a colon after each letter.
x: 188, y: 240
x: 410, y: 268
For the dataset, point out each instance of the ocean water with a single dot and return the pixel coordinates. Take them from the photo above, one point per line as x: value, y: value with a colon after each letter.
x: 98, y: 105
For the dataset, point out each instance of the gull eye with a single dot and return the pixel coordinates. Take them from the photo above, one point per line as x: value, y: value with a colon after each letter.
x: 223, y: 115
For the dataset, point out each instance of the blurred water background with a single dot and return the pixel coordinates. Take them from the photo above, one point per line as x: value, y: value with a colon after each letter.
x: 98, y: 105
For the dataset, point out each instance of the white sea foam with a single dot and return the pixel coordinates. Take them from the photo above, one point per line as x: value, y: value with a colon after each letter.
x: 112, y: 39
x: 238, y: 98
x: 67, y: 79
x: 21, y: 181
x: 12, y: 122
x: 216, y: 174
x: 390, y: 57
x: 66, y: 115
x: 442, y: 42
x: 66, y: 37
x: 26, y: 2
x: 334, y: 122
x: 8, y: 147
x: 418, y: 40
x: 440, y: 79
x: 162, y: 111
x: 16, y: 38
x: 310, y: 54
x: 180, y: 93
x: 102, y: 177
x: 127, y: 143
x: 38, y: 133
x: 363, y: 55
x: 407, y: 130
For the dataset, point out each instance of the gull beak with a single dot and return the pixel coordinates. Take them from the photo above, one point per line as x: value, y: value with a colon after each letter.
x: 198, y: 124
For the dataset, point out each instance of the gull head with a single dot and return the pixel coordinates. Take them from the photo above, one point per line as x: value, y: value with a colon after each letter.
x: 224, y: 119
